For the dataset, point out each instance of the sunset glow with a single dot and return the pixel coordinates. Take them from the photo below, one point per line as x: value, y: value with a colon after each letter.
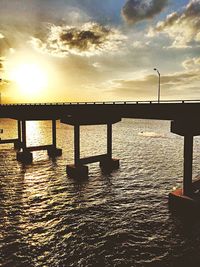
x: 30, y: 78
x: 99, y: 133
x: 78, y: 50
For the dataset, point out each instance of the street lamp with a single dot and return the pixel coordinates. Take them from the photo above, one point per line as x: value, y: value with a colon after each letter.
x: 158, y: 84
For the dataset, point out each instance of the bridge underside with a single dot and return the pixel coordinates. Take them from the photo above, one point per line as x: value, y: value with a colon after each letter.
x: 90, y: 120
x: 184, y: 121
x: 78, y: 168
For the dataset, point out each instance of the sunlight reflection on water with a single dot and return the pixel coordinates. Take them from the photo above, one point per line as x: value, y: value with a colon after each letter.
x: 121, y: 219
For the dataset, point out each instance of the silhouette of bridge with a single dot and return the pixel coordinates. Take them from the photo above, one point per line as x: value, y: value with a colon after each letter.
x: 184, y: 116
x: 165, y: 110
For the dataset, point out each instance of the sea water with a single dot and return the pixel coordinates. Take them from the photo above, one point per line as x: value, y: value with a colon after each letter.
x: 120, y: 219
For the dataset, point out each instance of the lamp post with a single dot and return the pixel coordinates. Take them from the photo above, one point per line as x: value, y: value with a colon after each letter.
x: 158, y: 84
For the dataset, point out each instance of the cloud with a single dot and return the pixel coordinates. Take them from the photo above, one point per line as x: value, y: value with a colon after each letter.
x: 86, y: 40
x: 2, y: 36
x: 138, y: 10
x: 4, y: 48
x: 1, y: 63
x: 177, y: 85
x: 192, y: 63
x: 3, y: 82
x: 182, y: 27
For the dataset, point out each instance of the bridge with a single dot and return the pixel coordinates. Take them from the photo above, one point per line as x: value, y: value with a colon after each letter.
x: 184, y: 116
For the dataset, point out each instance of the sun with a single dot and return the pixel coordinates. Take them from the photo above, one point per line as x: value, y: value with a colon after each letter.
x: 30, y: 78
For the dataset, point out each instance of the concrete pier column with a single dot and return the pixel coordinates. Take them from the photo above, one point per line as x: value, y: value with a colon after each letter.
x: 184, y: 200
x: 54, y: 133
x: 23, y: 135
x: 53, y: 151
x: 17, y: 143
x: 109, y: 140
x: 24, y: 156
x: 19, y: 130
x: 77, y: 145
x: 108, y: 163
x: 188, y: 158
x: 77, y: 170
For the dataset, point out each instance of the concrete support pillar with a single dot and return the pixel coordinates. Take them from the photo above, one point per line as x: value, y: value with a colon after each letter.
x: 19, y: 130
x: 108, y: 164
x: 17, y: 143
x: 77, y: 170
x: 188, y: 158
x: 77, y: 145
x: 24, y: 135
x: 54, y: 133
x: 25, y: 156
x: 53, y: 151
x: 109, y: 140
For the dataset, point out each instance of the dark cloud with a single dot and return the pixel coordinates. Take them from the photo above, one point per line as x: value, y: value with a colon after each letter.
x: 88, y: 39
x: 138, y: 10
x: 193, y: 9
x: 83, y: 39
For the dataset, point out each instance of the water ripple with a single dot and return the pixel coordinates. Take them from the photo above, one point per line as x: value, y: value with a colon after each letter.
x: 121, y: 219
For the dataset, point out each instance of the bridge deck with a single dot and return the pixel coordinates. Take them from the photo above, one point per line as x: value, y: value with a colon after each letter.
x: 165, y: 110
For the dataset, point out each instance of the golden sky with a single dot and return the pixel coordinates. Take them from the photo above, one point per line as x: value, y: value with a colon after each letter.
x: 91, y: 50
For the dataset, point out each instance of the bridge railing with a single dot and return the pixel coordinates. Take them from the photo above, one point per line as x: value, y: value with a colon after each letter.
x: 104, y: 103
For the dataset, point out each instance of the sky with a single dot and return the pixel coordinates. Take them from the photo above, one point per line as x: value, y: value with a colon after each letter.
x: 91, y: 50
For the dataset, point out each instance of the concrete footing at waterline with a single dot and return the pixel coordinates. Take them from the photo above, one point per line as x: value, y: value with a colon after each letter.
x: 82, y: 171
x: 109, y: 165
x: 186, y: 204
x: 25, y: 157
x: 54, y: 152
x: 183, y: 205
x: 77, y: 171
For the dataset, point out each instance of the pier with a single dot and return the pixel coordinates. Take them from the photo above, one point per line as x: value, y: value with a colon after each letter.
x: 24, y: 154
x: 184, y: 117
